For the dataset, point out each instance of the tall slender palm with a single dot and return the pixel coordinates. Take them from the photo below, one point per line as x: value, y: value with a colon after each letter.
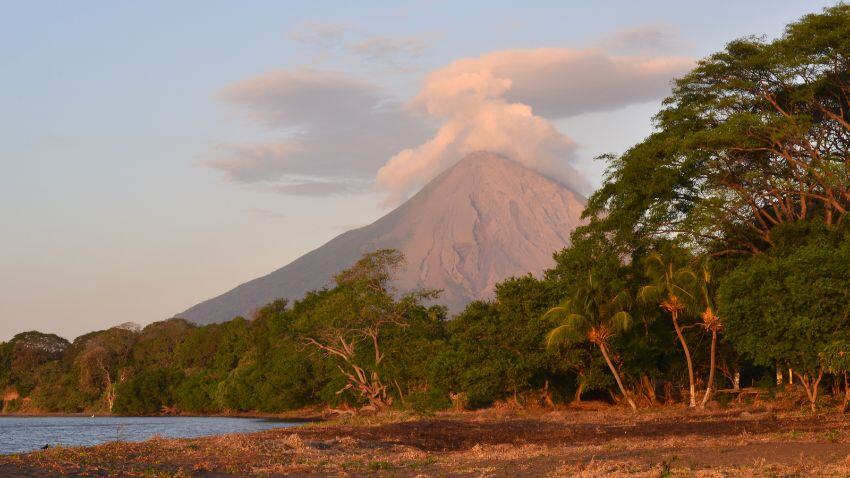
x: 670, y: 286
x: 711, y: 323
x: 596, y: 314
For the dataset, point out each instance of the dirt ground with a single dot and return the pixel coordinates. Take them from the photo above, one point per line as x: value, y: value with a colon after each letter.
x: 665, y: 442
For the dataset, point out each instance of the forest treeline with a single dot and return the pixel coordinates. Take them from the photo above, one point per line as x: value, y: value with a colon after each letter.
x: 715, y: 254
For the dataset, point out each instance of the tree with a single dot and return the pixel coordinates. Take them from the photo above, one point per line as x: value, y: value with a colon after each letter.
x: 215, y: 347
x: 358, y: 311
x: 410, y: 365
x: 101, y: 361
x: 28, y: 351
x: 756, y: 136
x: 780, y: 308
x: 478, y: 357
x: 497, y: 348
x: 159, y: 342
x: 670, y: 286
x: 835, y: 356
x: 711, y: 323
x: 588, y: 367
x: 593, y: 313
x: 149, y: 391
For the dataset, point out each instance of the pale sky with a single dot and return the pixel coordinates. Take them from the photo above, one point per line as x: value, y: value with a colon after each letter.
x: 156, y: 154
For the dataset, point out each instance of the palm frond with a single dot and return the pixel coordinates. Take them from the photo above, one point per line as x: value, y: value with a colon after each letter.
x: 685, y: 275
x: 557, y: 310
x: 649, y: 293
x: 557, y: 335
x: 570, y: 331
x: 621, y: 321
x: 706, y: 274
x: 622, y: 299
x: 679, y: 290
x: 656, y: 259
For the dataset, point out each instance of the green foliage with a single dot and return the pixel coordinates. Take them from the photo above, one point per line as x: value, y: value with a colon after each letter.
x: 595, y: 312
x: 428, y: 400
x: 158, y: 342
x: 497, y: 349
x: 26, y: 353
x: 670, y: 280
x: 5, y: 364
x: 835, y: 355
x: 356, y: 324
x: 57, y: 390
x: 596, y: 297
x: 782, y: 308
x: 478, y: 358
x: 739, y: 146
x: 147, y: 392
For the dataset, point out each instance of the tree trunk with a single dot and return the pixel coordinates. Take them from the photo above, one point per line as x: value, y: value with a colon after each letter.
x: 547, y: 396
x: 110, y: 387
x: 400, y: 393
x: 617, y: 377
x: 693, y: 392
x: 649, y: 389
x: 810, y: 387
x: 846, y: 394
x: 579, y: 391
x: 707, y: 395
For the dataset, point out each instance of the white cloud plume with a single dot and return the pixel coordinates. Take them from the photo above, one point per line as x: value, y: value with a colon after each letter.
x: 502, y: 102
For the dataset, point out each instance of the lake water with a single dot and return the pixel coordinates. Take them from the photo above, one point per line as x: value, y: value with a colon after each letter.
x: 23, y: 434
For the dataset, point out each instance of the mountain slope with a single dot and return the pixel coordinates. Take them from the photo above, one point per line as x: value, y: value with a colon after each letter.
x: 484, y: 220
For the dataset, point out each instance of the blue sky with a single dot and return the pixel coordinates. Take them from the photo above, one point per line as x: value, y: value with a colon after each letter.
x: 120, y: 202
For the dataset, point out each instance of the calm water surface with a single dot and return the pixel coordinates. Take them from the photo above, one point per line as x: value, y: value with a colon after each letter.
x: 23, y: 434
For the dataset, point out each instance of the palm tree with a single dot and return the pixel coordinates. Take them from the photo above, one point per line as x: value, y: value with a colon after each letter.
x: 711, y: 323
x: 670, y: 287
x: 595, y: 314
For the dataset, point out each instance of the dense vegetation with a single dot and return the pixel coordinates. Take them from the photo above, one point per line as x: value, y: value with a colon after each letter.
x: 715, y: 252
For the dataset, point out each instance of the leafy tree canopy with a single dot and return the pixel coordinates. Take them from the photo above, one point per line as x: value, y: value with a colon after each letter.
x: 755, y: 136
x: 782, y: 308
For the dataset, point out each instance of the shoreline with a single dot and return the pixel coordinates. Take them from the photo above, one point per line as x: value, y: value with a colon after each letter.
x: 609, y: 441
x: 296, y: 416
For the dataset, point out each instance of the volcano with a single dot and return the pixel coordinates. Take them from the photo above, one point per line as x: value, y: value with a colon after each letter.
x: 480, y: 222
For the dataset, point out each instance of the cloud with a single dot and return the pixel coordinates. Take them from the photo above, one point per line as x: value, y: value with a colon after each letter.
x: 254, y: 163
x: 324, y: 187
x: 561, y: 82
x: 395, y: 52
x: 334, y: 132
x: 266, y: 213
x: 324, y: 35
x: 493, y: 125
x: 503, y: 101
x: 642, y: 39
